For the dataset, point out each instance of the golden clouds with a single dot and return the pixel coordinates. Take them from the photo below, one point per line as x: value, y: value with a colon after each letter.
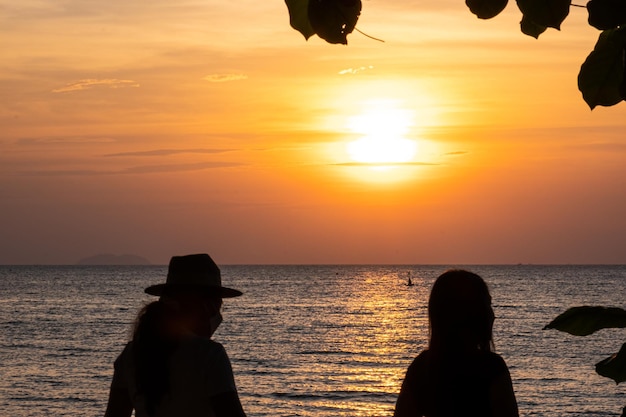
x: 222, y: 78
x: 90, y: 83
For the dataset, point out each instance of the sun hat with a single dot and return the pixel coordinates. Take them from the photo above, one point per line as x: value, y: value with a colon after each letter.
x: 196, y: 272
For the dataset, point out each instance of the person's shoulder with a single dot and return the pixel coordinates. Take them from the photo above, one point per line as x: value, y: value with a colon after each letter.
x: 127, y: 348
x: 418, y: 370
x: 125, y: 355
x: 424, y: 355
x: 421, y: 360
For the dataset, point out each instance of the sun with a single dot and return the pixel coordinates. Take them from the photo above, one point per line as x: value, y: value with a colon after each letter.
x: 383, y: 126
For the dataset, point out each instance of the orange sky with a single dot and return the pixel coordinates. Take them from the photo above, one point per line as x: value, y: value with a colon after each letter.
x: 162, y: 128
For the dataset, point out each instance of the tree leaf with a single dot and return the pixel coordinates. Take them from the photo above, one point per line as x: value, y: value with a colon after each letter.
x: 548, y: 13
x: 530, y: 28
x: 299, y: 17
x: 333, y: 20
x: 606, y: 14
x: 602, y: 74
x: 614, y: 366
x: 582, y: 321
x: 486, y: 9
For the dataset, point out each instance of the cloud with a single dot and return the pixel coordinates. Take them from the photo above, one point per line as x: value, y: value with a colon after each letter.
x: 90, y: 83
x: 384, y: 164
x: 353, y: 71
x: 145, y: 169
x: 222, y: 78
x: 167, y: 152
x: 77, y: 140
x: 149, y: 169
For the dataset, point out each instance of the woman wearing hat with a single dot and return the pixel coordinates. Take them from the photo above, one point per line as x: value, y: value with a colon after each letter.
x: 171, y: 367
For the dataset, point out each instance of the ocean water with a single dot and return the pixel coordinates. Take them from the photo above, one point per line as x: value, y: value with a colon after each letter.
x: 304, y: 340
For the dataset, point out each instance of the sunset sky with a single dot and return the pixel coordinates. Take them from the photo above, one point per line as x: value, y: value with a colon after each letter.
x: 162, y: 128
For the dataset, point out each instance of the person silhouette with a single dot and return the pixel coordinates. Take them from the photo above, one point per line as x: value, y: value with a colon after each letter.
x: 459, y: 374
x: 171, y: 367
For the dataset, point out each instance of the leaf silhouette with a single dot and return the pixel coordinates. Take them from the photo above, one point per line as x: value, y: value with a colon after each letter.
x: 606, y: 14
x: 583, y: 321
x: 614, y: 366
x: 333, y: 20
x: 601, y: 76
x: 299, y: 17
x: 549, y: 13
x: 486, y: 9
x: 531, y: 28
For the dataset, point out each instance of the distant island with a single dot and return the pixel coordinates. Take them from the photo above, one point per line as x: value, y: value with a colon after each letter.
x: 111, y: 259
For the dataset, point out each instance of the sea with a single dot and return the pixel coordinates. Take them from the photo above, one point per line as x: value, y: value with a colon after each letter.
x: 305, y: 340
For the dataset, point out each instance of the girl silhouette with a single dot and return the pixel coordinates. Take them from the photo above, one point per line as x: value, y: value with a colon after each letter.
x: 459, y: 374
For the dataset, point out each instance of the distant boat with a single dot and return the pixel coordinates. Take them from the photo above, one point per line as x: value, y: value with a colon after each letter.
x: 409, y: 282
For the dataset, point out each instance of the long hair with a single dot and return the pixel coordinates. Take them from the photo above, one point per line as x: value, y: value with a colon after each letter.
x: 159, y: 328
x: 152, y: 347
x: 460, y: 313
